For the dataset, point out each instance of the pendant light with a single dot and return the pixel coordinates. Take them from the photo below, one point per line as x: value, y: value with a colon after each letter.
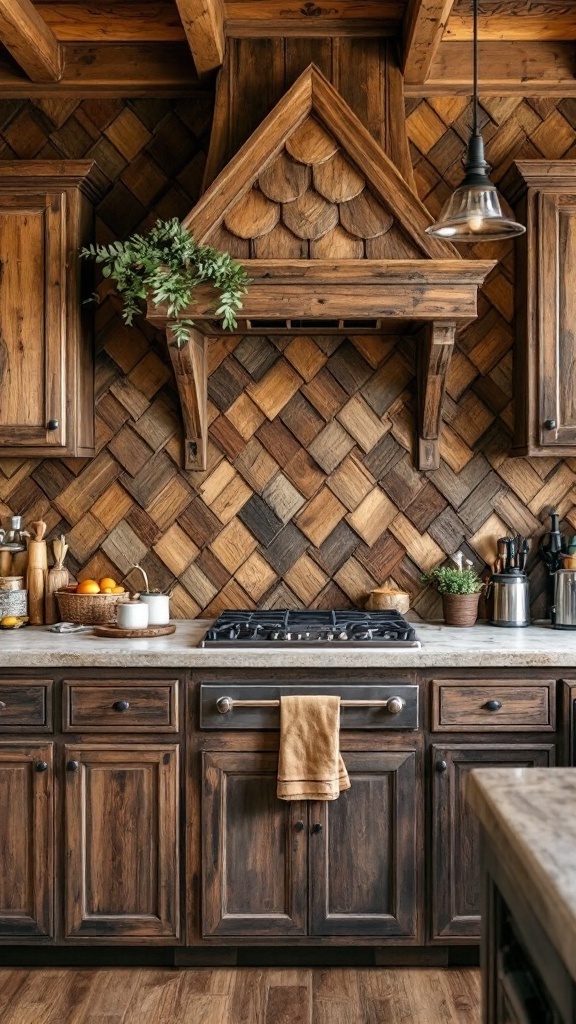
x: 473, y: 213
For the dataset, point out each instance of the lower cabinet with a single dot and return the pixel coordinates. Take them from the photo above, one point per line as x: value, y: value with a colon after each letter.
x: 122, y: 850
x: 26, y: 840
x: 456, y: 881
x: 344, y: 867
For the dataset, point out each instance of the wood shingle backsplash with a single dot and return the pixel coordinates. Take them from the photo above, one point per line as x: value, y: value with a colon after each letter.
x: 311, y: 497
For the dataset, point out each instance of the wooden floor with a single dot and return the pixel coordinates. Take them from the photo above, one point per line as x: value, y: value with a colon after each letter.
x: 378, y: 995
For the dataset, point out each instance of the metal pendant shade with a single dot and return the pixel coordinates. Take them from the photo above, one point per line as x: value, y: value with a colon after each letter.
x: 473, y: 213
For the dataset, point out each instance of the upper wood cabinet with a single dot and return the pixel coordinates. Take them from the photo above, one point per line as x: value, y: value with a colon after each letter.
x: 46, y: 358
x: 545, y: 355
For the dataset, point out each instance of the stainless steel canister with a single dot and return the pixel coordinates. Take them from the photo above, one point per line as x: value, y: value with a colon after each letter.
x: 565, y: 599
x: 510, y: 599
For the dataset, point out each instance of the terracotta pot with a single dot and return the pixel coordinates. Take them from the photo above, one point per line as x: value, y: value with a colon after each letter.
x: 460, y: 609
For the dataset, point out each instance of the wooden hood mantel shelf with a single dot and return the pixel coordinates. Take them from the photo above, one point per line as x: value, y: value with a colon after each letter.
x: 333, y: 239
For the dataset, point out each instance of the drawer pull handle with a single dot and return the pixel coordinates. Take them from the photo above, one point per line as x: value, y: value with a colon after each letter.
x: 441, y: 767
x: 41, y: 766
x: 2, y: 705
x: 493, y: 705
x: 299, y: 826
x: 121, y: 705
x: 316, y: 829
x: 52, y: 425
x: 73, y: 766
x: 392, y: 704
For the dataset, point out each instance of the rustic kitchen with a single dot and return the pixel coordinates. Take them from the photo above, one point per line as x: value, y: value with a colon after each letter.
x: 287, y: 511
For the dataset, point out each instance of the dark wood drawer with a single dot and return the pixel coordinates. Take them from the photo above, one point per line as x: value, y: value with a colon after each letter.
x: 113, y: 705
x: 26, y: 706
x: 493, y: 705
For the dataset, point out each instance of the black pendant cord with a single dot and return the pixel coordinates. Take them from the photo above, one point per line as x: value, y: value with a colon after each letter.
x: 475, y: 66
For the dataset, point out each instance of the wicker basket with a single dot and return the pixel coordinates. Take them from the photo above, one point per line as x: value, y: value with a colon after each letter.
x: 460, y: 609
x: 89, y: 609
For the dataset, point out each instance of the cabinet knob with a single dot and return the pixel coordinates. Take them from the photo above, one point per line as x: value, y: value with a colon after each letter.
x: 299, y: 826
x: 73, y: 766
x: 550, y: 424
x: 41, y: 766
x: 316, y: 829
x: 493, y: 705
x: 2, y: 705
x: 441, y: 766
x: 121, y: 705
x: 394, y: 705
x: 52, y: 425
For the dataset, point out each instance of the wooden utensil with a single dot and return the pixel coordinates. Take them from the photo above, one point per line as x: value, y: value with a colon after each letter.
x: 58, y: 578
x: 37, y: 573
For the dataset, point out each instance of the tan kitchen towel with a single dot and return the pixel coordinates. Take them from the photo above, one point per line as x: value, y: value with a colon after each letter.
x: 310, y: 765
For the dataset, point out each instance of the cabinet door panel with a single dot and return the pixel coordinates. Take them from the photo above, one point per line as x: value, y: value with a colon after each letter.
x: 26, y: 840
x: 253, y: 848
x: 456, y: 881
x: 364, y: 864
x: 32, y: 357
x: 122, y: 828
x: 557, y: 311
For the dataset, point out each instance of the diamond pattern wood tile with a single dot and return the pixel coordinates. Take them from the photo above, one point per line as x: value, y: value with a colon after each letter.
x: 311, y: 496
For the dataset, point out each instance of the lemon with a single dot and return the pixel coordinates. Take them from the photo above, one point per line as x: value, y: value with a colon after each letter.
x: 10, y: 620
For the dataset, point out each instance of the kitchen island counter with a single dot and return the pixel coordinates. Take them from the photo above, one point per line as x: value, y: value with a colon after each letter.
x: 481, y: 646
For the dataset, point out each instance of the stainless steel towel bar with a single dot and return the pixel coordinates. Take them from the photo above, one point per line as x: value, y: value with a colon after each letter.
x: 393, y: 705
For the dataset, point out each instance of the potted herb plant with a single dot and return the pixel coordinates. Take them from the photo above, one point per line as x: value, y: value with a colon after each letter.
x: 460, y: 589
x: 165, y: 266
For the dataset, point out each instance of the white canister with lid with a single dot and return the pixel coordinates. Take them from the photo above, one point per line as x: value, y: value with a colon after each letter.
x: 132, y: 615
x: 158, y: 608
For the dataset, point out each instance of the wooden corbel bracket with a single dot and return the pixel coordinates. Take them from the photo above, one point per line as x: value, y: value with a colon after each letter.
x: 191, y: 373
x: 435, y: 354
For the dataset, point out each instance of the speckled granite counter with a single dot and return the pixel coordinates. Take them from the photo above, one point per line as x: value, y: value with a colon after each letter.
x: 529, y: 818
x: 482, y: 646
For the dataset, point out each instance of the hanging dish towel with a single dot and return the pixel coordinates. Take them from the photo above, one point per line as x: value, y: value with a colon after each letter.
x: 310, y: 765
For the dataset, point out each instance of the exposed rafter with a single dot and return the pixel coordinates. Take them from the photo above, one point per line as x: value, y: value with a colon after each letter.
x: 424, y: 25
x: 27, y: 37
x: 514, y: 67
x: 203, y: 22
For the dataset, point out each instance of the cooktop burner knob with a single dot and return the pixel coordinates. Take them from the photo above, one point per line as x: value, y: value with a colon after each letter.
x: 395, y: 705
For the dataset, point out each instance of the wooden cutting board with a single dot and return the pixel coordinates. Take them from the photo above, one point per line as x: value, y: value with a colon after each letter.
x: 133, y: 633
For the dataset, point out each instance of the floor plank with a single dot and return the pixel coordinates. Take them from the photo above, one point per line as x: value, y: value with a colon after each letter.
x: 377, y: 995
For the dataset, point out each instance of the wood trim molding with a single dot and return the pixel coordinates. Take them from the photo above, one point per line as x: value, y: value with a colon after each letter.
x: 434, y: 356
x: 27, y: 37
x: 424, y: 24
x: 203, y: 22
x: 512, y: 67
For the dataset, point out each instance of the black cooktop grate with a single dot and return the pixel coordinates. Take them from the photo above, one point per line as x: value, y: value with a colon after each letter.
x: 280, y: 628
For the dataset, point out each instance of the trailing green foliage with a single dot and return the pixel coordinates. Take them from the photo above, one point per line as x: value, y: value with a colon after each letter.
x: 454, y: 581
x: 166, y: 265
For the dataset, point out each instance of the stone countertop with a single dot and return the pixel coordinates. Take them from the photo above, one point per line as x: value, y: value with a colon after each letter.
x: 480, y: 646
x: 529, y: 815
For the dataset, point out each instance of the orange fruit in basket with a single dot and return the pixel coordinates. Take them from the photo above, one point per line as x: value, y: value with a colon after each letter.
x: 118, y: 590
x: 107, y: 584
x: 88, y: 587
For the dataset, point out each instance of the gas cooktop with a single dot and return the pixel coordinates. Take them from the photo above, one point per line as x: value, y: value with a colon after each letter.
x: 310, y: 629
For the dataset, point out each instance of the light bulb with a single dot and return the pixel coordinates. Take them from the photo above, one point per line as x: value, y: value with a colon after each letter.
x: 475, y: 222
x: 446, y: 232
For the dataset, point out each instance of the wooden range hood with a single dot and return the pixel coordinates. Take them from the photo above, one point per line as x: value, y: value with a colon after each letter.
x: 333, y: 239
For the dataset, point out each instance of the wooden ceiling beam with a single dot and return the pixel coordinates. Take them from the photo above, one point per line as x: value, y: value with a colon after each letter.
x: 135, y: 21
x: 203, y: 22
x: 511, y: 68
x: 424, y: 24
x: 146, y: 69
x: 558, y: 26
x: 32, y: 44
